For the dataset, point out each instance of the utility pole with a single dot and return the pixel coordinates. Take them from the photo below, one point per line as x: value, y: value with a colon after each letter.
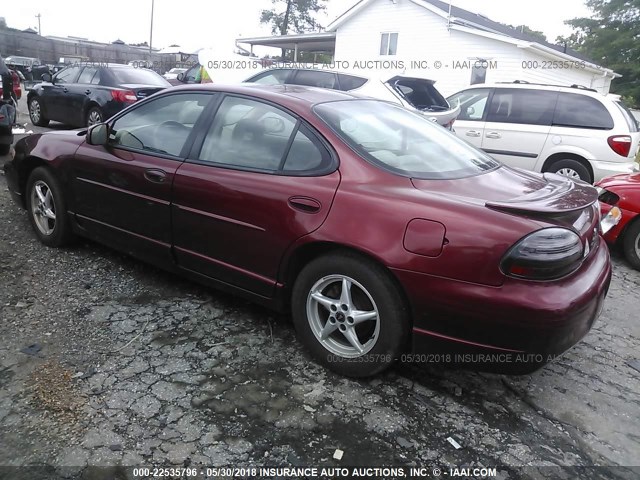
x: 151, y: 30
x: 39, y: 29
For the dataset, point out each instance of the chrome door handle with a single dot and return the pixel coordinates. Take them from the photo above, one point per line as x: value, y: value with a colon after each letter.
x: 493, y: 135
x: 472, y: 133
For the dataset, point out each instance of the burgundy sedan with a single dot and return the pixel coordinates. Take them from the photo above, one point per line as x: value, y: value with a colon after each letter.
x: 384, y: 235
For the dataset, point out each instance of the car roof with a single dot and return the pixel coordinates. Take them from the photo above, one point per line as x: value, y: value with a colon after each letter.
x: 382, y: 75
x: 287, y: 94
x: 539, y: 86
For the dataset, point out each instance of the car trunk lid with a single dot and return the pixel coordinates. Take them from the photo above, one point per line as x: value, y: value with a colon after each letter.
x: 141, y: 90
x: 421, y: 94
x: 549, y: 198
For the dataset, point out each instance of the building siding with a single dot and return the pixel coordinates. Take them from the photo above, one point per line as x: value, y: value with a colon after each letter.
x: 424, y: 36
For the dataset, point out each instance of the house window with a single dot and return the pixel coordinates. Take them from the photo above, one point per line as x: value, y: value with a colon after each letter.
x: 389, y: 44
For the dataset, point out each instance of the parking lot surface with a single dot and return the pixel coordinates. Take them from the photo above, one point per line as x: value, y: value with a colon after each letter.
x: 105, y: 361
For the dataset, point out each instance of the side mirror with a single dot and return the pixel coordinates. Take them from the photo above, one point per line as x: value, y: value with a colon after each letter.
x: 98, y: 134
x: 46, y: 77
x: 180, y: 77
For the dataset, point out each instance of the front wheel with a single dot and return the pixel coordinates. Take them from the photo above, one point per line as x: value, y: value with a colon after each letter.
x: 632, y: 244
x: 36, y: 114
x: 47, y: 208
x: 350, y: 314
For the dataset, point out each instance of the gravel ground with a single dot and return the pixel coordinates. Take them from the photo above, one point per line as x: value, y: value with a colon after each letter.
x: 105, y: 361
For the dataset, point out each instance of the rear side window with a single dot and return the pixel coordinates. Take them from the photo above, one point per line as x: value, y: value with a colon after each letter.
x: 312, y: 78
x: 529, y: 107
x: 581, y: 111
x: 274, y: 77
x: 87, y: 75
x: 350, y: 82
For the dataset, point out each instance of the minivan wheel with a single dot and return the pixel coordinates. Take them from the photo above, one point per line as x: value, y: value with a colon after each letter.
x: 350, y: 314
x: 36, y: 114
x: 47, y: 208
x: 632, y: 244
x: 572, y: 169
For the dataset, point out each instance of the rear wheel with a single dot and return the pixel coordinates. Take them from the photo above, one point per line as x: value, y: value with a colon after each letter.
x: 632, y: 244
x: 94, y: 116
x: 36, y: 114
x: 572, y: 169
x: 350, y: 314
x: 47, y: 208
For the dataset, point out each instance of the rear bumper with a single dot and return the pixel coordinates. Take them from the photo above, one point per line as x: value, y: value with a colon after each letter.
x: 605, y: 169
x: 515, y: 328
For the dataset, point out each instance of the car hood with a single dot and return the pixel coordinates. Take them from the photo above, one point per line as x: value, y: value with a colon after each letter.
x: 516, y: 191
x: 622, y: 180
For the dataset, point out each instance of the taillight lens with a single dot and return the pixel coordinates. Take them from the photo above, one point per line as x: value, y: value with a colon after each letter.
x: 621, y: 144
x: 546, y: 254
x: 125, y: 96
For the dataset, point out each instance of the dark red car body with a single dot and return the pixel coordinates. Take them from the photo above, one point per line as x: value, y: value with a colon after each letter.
x: 627, y: 189
x: 251, y: 233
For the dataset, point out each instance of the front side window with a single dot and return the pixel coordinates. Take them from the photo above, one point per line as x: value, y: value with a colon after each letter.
x: 473, y: 103
x: 389, y: 44
x: 68, y: 75
x: 404, y: 142
x: 581, y: 111
x: 529, y: 107
x: 161, y: 125
x: 249, y: 134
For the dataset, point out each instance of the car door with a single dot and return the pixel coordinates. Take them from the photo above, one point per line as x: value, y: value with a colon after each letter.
x: 55, y: 95
x: 79, y: 95
x: 470, y: 124
x: 122, y: 191
x: 259, y: 180
x: 518, y: 123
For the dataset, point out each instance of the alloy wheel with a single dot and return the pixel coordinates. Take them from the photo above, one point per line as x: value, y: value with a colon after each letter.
x: 94, y: 117
x: 34, y: 111
x: 569, y: 172
x: 343, y: 316
x: 43, y: 207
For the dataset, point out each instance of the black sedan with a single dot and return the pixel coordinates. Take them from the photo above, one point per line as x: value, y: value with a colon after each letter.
x: 85, y: 94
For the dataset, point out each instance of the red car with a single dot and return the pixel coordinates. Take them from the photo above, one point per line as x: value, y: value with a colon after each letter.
x: 623, y: 191
x: 17, y: 88
x: 383, y: 234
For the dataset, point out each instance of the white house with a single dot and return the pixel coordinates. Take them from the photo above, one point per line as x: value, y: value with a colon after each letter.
x: 454, y: 47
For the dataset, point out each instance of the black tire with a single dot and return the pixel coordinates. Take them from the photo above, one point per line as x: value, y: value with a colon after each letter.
x: 61, y: 233
x: 392, y: 318
x: 576, y: 166
x: 94, y: 115
x: 631, y: 244
x: 37, y: 119
x: 4, y: 149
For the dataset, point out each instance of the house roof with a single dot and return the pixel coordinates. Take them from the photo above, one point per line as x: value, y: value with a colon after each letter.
x: 466, y: 18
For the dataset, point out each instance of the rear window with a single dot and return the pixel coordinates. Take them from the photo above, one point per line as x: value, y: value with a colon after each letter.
x: 628, y: 116
x: 350, y: 82
x: 420, y: 93
x: 581, y: 111
x: 403, y: 142
x: 138, y: 76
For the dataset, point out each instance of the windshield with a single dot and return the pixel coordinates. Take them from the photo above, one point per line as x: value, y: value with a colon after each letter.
x: 139, y: 76
x: 404, y: 142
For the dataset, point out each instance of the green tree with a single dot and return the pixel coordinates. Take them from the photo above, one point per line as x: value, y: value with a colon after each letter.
x: 293, y: 16
x: 611, y: 37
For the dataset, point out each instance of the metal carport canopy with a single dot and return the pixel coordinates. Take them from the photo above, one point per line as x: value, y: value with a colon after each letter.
x: 308, y: 42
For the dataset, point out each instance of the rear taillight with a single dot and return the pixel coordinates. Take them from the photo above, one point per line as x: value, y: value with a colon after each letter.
x: 621, y: 144
x: 546, y: 254
x: 125, y: 96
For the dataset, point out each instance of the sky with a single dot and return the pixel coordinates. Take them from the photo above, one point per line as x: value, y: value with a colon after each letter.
x: 194, y: 24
